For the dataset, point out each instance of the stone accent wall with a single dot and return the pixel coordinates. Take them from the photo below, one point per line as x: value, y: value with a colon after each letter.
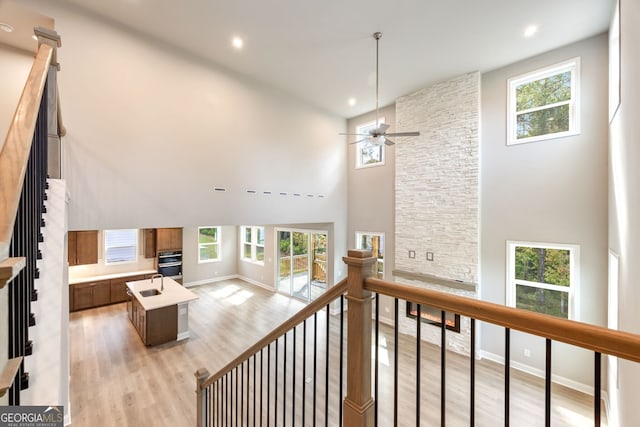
x: 437, y: 182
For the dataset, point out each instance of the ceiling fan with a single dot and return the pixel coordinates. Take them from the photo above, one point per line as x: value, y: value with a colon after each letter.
x: 379, y: 135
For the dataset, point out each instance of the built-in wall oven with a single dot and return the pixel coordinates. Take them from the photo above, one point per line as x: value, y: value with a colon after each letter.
x: 170, y: 264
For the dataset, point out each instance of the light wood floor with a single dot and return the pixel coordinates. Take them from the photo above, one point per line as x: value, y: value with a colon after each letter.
x: 117, y: 381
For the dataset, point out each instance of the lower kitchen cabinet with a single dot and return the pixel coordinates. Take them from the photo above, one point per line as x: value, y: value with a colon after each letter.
x: 156, y: 326
x: 101, y: 292
x: 91, y: 294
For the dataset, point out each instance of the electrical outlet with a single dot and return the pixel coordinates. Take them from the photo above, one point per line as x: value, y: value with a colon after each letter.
x: 412, y: 254
x: 526, y: 352
x: 429, y: 256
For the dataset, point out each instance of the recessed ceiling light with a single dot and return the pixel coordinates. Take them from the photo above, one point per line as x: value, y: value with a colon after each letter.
x: 351, y: 102
x: 6, y: 27
x: 530, y: 30
x: 237, y: 42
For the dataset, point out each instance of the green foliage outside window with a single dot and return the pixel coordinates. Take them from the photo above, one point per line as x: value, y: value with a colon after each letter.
x: 547, y: 266
x: 539, y: 93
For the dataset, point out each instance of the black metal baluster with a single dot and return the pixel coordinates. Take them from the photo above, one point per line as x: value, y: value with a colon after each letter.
x: 597, y: 384
x: 226, y: 400
x: 341, y: 357
x: 236, y: 369
x: 315, y: 363
x: 443, y: 368
x: 377, y: 355
x: 472, y: 391
x: 268, y: 383
x: 395, y: 365
x: 326, y: 372
x: 547, y: 385
x: 284, y: 383
x: 261, y: 382
x: 275, y: 387
x: 255, y: 390
x: 293, y: 379
x: 507, y: 373
x: 304, y: 369
x: 239, y: 415
x: 418, y: 339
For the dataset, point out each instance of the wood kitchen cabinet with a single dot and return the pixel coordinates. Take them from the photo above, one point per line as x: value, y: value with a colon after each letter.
x: 82, y: 247
x: 155, y: 326
x: 90, y: 294
x: 149, y: 242
x: 119, y: 288
x: 168, y: 239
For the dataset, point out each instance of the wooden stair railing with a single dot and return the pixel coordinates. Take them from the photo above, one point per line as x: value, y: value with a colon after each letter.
x: 16, y: 162
x: 359, y: 407
x: 205, y: 381
x: 15, y: 154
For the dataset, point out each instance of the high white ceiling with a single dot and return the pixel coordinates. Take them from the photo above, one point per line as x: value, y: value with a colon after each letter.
x: 323, y: 51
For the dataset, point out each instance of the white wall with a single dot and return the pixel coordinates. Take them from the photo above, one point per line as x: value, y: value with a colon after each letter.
x: 624, y: 203
x: 152, y: 130
x: 548, y: 191
x: 195, y: 273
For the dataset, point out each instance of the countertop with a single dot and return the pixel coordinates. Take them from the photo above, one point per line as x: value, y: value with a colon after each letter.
x: 174, y: 293
x: 73, y: 281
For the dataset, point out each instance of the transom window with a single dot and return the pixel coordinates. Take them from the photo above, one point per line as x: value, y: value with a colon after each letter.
x: 544, y: 278
x: 120, y: 246
x: 368, y: 154
x: 252, y: 244
x: 544, y: 104
x: 208, y: 244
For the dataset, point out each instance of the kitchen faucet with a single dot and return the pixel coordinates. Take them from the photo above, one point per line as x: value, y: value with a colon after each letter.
x: 161, y: 280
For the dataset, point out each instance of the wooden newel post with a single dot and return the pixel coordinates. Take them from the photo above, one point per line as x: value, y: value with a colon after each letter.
x: 201, y: 397
x: 358, y: 404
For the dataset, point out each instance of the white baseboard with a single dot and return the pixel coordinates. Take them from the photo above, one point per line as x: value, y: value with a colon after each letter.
x: 211, y: 280
x: 255, y: 282
x: 558, y: 379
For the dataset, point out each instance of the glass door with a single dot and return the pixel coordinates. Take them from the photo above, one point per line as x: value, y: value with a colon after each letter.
x: 302, y: 263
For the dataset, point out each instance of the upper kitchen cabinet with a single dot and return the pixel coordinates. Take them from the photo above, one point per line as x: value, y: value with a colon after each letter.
x: 149, y: 242
x: 168, y: 239
x: 82, y: 247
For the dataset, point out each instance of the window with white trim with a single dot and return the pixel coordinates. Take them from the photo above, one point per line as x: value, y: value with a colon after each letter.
x: 544, y: 104
x: 544, y: 277
x: 367, y: 153
x: 375, y: 243
x: 252, y: 245
x: 120, y: 246
x: 208, y: 244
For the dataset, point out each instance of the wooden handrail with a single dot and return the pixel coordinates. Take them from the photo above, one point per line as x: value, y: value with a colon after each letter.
x: 8, y: 374
x: 17, y: 145
x: 320, y: 302
x: 596, y: 338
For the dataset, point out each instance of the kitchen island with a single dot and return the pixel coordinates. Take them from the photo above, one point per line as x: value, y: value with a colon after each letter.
x: 159, y: 309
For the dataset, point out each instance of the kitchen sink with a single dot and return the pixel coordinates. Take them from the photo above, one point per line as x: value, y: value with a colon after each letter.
x: 150, y: 292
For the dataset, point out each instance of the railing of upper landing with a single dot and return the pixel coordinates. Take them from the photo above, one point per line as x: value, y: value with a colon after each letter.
x: 371, y: 398
x: 23, y: 173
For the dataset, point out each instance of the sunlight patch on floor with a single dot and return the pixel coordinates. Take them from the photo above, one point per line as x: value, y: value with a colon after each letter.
x: 239, y: 297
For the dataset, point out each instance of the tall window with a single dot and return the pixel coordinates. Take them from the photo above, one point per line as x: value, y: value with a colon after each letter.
x: 120, y: 246
x: 544, y: 278
x: 544, y: 104
x: 252, y: 244
x: 208, y: 244
x: 368, y: 154
x: 375, y: 243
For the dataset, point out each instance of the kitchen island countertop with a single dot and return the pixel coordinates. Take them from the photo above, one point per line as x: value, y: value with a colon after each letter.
x: 173, y: 293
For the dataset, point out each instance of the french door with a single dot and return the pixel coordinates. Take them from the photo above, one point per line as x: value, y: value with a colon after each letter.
x: 302, y: 263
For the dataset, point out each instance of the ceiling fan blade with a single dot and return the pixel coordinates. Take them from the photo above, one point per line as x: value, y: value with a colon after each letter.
x: 358, y: 141
x: 354, y: 134
x: 382, y: 128
x: 403, y: 134
x: 387, y: 141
